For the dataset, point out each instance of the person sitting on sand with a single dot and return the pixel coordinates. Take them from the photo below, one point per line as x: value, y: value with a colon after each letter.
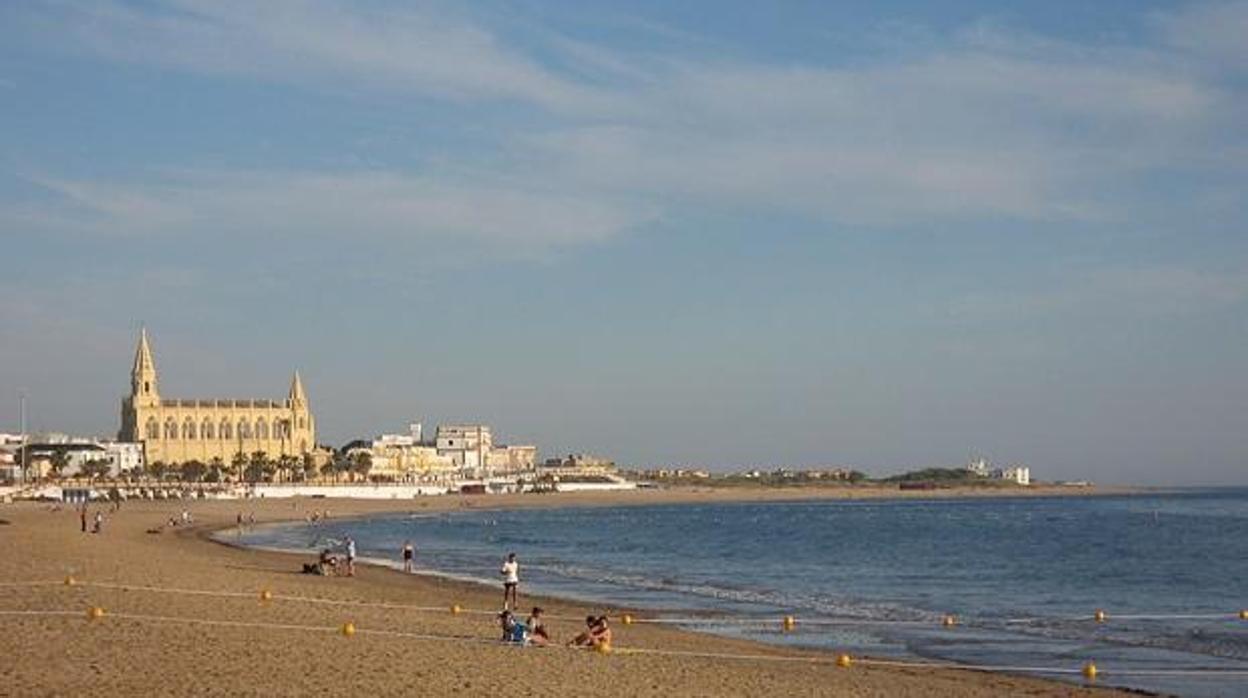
x: 586, y: 638
x: 601, y: 632
x: 513, y: 630
x: 538, y: 635
x: 328, y: 564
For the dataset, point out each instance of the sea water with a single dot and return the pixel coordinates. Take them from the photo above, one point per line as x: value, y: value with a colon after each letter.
x: 1023, y: 576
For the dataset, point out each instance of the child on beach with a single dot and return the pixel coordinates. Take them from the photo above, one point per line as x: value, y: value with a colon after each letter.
x: 597, y: 632
x: 511, y: 581
x: 513, y: 630
x: 538, y: 635
x: 409, y: 552
x: 350, y: 556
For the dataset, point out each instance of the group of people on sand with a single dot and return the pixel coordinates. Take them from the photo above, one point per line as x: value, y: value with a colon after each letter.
x: 530, y: 631
x: 329, y: 564
x: 533, y: 630
x: 97, y: 521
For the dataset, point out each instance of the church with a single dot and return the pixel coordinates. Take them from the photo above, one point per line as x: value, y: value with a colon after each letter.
x: 177, y: 431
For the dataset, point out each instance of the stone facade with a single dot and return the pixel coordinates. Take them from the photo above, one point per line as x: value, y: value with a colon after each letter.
x: 177, y: 431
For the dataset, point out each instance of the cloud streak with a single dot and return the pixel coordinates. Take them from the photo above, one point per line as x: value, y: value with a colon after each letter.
x: 986, y: 126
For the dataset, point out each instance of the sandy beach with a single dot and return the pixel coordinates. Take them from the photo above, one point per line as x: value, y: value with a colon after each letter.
x: 176, y: 643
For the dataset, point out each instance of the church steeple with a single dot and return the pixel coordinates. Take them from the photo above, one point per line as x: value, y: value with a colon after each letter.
x: 297, y: 397
x: 143, y: 375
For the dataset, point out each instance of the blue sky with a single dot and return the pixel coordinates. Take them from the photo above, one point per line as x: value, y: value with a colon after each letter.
x: 700, y: 233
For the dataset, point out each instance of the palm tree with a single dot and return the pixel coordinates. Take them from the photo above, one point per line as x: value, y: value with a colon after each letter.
x: 215, y: 470
x: 286, y: 465
x: 309, y: 466
x: 259, y: 467
x: 96, y: 467
x: 59, y: 462
x: 238, y: 466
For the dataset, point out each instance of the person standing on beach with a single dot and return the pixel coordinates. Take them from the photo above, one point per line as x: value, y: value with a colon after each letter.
x: 99, y: 522
x: 511, y: 581
x: 409, y: 553
x: 82, y: 514
x: 350, y: 556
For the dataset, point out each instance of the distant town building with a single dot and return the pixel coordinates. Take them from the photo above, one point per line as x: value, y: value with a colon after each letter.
x: 471, y: 448
x: 1019, y: 474
x: 465, y: 444
x: 74, y: 454
x: 405, y: 458
x: 176, y: 431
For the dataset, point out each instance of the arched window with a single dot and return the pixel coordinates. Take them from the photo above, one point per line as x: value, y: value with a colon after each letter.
x: 227, y: 429
x: 153, y: 428
x: 302, y: 425
x: 188, y: 429
x: 171, y: 428
x: 244, y: 429
x: 262, y: 429
x: 206, y: 430
x: 281, y: 429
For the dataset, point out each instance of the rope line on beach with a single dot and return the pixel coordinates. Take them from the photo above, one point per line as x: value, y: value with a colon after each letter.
x: 840, y: 661
x: 788, y: 622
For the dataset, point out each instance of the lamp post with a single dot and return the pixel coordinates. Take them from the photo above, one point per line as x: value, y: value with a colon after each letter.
x: 21, y: 399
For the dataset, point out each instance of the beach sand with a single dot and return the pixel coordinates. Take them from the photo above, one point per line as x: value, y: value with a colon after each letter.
x: 119, y: 655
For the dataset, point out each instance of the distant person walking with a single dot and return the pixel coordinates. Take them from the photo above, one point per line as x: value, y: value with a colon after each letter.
x: 350, y: 556
x: 99, y: 522
x: 409, y: 553
x: 82, y: 515
x: 511, y: 581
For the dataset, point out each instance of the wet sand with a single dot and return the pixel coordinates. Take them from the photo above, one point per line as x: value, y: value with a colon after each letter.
x: 117, y: 655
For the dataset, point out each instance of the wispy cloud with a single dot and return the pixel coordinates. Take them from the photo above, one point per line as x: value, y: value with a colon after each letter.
x: 362, y: 204
x: 983, y: 124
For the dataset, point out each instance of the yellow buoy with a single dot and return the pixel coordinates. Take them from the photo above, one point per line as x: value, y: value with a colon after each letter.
x: 70, y: 581
x: 95, y: 613
x: 1090, y: 671
x: 266, y: 595
x: 626, y: 619
x: 455, y: 609
x: 1099, y: 616
x: 950, y: 621
x: 788, y: 623
x: 844, y: 660
x: 348, y: 629
x: 602, y: 647
x: 1243, y: 615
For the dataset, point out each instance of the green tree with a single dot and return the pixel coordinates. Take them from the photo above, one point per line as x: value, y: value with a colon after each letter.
x: 157, y: 469
x: 97, y: 468
x: 362, y: 463
x: 193, y: 471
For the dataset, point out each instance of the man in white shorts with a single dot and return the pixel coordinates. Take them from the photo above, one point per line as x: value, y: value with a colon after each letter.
x: 511, y: 581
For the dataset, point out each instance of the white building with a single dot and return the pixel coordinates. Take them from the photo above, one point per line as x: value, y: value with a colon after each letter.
x: 1019, y: 474
x: 471, y: 448
x: 467, y: 445
x: 127, y: 457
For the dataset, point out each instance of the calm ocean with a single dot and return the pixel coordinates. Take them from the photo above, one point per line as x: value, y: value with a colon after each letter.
x: 873, y: 563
